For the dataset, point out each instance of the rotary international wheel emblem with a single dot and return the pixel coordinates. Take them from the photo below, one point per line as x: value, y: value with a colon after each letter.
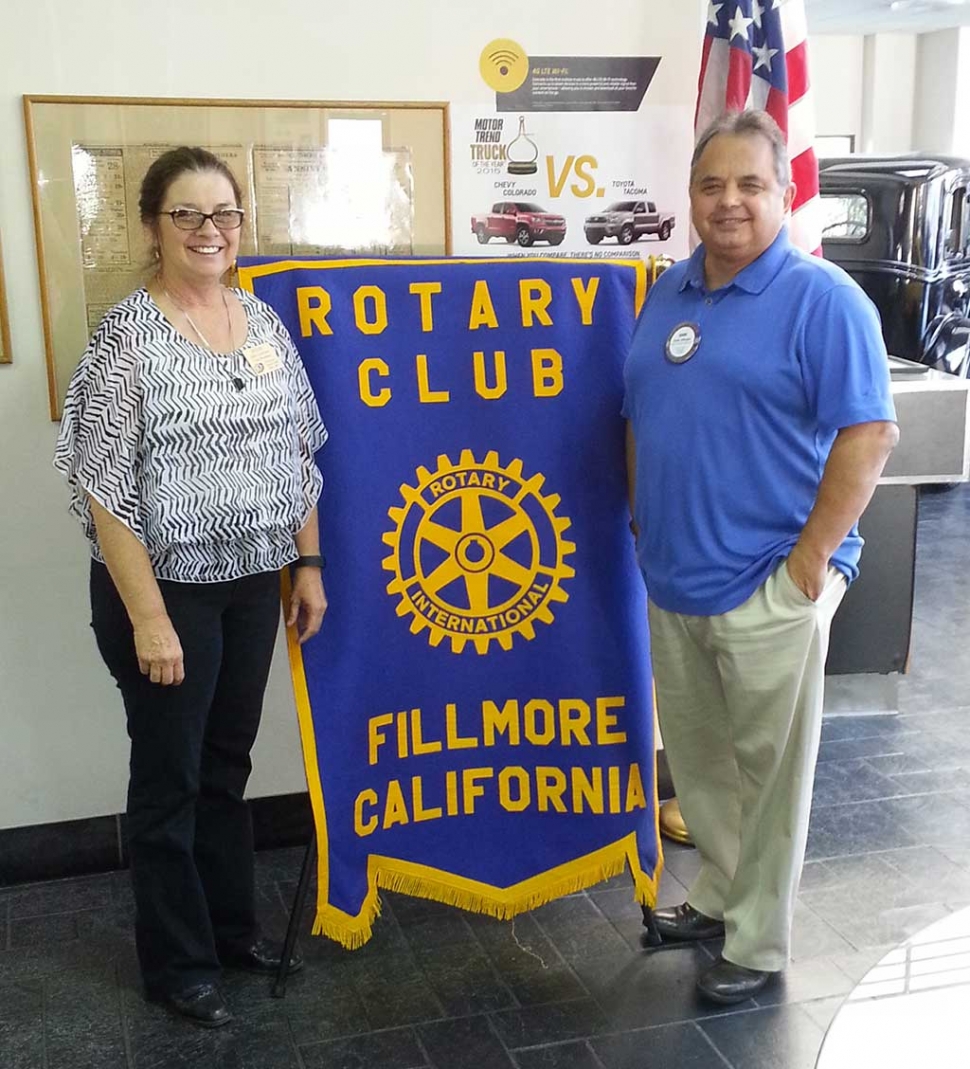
x: 477, y: 553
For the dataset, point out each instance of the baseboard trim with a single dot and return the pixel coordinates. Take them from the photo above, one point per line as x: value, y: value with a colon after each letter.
x: 97, y: 844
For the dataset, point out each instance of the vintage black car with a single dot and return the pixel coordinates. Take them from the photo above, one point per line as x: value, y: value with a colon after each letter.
x: 900, y: 225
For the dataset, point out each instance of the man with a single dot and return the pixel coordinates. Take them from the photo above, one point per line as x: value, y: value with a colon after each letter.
x: 760, y: 418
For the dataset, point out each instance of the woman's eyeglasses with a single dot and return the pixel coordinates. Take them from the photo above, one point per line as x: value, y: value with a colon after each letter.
x: 191, y: 219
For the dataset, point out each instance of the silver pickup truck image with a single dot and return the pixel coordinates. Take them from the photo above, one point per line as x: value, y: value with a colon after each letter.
x: 627, y: 220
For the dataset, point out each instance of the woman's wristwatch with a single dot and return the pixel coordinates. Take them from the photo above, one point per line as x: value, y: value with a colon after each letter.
x: 310, y: 561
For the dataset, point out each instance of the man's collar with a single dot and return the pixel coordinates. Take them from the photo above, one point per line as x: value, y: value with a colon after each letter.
x: 753, y: 278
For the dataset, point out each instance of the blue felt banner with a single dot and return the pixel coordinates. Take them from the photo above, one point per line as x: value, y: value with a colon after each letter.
x: 476, y: 711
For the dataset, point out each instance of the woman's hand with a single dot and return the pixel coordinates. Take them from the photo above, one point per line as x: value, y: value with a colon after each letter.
x: 159, y: 651
x: 308, y: 602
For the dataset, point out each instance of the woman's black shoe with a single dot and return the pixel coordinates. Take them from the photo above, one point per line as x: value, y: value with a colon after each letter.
x: 260, y: 956
x: 202, y: 1005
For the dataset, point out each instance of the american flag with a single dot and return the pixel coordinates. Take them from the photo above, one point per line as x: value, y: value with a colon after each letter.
x: 756, y: 56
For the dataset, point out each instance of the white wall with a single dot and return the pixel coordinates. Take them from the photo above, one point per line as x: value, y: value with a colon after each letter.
x: 63, y: 750
x: 938, y: 63
x: 865, y: 85
x: 836, y: 63
x: 889, y: 81
x: 961, y: 122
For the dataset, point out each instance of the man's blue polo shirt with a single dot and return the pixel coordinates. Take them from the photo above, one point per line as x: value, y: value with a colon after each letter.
x: 732, y: 443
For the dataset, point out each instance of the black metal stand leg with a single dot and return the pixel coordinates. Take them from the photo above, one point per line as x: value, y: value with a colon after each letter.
x: 651, y: 937
x: 299, y: 900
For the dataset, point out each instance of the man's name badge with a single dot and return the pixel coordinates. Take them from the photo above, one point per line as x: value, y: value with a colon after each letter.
x: 683, y: 343
x: 262, y: 358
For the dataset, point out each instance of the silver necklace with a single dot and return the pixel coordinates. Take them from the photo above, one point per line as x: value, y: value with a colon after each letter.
x: 238, y: 382
x: 191, y: 322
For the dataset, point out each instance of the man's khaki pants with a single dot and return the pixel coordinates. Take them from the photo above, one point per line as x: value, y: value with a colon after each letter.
x: 739, y: 698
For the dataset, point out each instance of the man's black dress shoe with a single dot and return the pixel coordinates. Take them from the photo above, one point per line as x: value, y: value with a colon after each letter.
x: 727, y: 983
x: 202, y: 1004
x: 684, y: 924
x: 262, y: 956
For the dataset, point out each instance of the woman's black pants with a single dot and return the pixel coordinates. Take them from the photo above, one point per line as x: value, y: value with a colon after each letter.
x: 190, y: 835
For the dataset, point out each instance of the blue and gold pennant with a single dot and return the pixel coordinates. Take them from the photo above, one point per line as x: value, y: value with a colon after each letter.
x: 476, y: 712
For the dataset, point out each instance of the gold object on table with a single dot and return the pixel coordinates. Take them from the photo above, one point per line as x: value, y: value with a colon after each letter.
x: 672, y: 823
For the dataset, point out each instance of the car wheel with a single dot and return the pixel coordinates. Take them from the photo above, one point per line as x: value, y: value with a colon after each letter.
x: 626, y: 235
x: 594, y: 239
x: 482, y: 235
x: 556, y: 240
x: 523, y: 237
x: 664, y: 231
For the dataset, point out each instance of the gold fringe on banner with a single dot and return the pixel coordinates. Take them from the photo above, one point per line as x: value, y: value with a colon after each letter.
x: 422, y: 881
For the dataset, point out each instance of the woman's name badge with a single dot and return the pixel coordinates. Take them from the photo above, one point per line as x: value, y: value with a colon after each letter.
x: 683, y: 343
x: 262, y: 358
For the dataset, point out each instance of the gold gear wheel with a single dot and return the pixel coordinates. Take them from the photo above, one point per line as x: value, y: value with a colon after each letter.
x: 477, y: 553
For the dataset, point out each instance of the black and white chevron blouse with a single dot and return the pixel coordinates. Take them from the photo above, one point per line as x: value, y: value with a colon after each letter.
x: 214, y: 480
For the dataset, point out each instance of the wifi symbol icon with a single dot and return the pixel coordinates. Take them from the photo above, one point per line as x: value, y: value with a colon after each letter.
x: 503, y: 60
x: 503, y: 65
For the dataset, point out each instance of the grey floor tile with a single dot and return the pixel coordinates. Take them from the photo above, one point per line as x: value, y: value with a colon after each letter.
x: 683, y: 862
x: 35, y: 931
x: 560, y: 1056
x: 160, y: 1041
x: 464, y: 979
x: 83, y: 1023
x: 812, y: 937
x: 533, y: 1026
x: 805, y: 981
x: 766, y: 1039
x: 838, y: 782
x: 623, y: 911
x: 467, y: 1043
x: 60, y: 896
x: 823, y: 1010
x: 394, y: 991
x: 578, y: 928
x: 856, y: 828
x: 527, y: 961
x: 648, y: 989
x: 394, y: 1049
x: 22, y: 1026
x: 679, y: 1046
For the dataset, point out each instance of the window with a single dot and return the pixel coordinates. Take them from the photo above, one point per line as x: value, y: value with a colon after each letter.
x: 845, y: 216
x: 834, y: 145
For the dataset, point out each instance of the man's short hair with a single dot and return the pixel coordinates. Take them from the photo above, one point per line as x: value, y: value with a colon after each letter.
x: 747, y: 124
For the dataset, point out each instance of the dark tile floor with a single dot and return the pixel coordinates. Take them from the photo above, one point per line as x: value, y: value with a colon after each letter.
x: 566, y: 986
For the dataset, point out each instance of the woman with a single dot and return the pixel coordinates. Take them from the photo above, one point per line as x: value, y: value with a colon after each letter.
x: 188, y: 438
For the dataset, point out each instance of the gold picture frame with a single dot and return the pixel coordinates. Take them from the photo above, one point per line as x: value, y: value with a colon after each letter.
x: 306, y: 191
x: 6, y: 356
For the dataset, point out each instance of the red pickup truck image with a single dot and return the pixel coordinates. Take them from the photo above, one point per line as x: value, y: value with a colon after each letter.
x: 628, y: 220
x: 519, y: 221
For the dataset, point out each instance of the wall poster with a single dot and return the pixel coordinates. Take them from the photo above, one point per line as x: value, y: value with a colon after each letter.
x: 570, y: 159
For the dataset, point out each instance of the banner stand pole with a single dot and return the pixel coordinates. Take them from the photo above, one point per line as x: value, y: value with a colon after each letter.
x: 296, y: 912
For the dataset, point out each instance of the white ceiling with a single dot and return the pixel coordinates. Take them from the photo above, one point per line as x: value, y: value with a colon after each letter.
x: 877, y: 16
